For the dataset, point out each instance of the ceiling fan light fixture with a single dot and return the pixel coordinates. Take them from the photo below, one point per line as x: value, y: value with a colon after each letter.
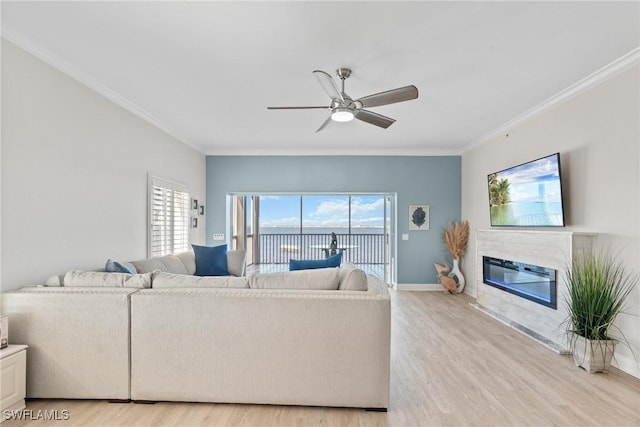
x: 342, y: 114
x: 344, y: 108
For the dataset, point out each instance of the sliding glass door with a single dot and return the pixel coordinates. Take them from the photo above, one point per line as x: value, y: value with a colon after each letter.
x: 275, y: 228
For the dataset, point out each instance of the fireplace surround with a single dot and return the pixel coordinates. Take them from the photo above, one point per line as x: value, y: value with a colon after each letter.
x: 551, y: 249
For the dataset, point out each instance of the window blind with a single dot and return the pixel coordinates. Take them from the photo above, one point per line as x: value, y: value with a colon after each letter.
x: 169, y: 217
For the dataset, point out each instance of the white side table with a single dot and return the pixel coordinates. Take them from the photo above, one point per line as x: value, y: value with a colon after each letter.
x: 13, y: 368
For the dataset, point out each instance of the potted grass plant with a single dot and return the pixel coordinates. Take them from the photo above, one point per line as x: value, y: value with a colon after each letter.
x: 599, y: 285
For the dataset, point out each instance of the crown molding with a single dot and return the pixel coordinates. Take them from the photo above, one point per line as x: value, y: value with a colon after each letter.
x: 66, y: 68
x: 605, y: 73
x: 331, y: 152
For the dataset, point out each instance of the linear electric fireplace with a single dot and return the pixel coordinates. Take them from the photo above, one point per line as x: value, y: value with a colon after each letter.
x: 532, y: 282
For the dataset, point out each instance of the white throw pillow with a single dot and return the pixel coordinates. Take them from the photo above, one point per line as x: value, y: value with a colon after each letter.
x: 353, y: 279
x: 168, y: 280
x: 236, y: 262
x: 321, y: 279
x: 54, y: 281
x: 76, y: 278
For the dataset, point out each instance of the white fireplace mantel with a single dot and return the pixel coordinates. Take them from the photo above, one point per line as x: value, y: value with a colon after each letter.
x: 547, y: 248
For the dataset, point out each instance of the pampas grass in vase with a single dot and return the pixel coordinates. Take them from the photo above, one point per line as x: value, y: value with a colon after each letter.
x: 456, y: 237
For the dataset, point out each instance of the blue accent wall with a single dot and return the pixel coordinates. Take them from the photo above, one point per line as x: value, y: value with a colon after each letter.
x: 429, y: 180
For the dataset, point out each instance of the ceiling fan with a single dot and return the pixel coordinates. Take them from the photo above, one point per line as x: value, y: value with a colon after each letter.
x: 343, y: 108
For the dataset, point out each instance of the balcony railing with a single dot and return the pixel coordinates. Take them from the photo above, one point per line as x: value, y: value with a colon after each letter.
x: 280, y: 248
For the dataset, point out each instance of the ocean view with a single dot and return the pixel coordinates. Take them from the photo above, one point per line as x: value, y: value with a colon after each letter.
x: 267, y: 229
x: 278, y: 244
x: 527, y: 213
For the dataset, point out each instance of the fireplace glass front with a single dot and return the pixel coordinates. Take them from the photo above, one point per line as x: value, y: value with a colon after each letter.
x: 528, y: 281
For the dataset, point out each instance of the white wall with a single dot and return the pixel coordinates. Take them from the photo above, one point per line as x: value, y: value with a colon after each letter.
x: 74, y: 174
x: 598, y: 136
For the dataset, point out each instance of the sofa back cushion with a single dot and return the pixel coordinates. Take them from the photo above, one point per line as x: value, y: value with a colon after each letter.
x: 189, y: 260
x: 352, y: 279
x: 236, y: 263
x: 168, y: 264
x: 76, y: 278
x: 185, y: 263
x: 168, y: 280
x: 326, y: 279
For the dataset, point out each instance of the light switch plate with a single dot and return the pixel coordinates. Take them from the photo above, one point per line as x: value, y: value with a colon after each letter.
x: 405, y: 237
x: 218, y: 236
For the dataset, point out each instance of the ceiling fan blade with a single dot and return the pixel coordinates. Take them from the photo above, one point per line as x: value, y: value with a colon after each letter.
x: 389, y: 97
x: 325, y: 125
x: 328, y: 84
x: 295, y: 108
x: 374, y: 118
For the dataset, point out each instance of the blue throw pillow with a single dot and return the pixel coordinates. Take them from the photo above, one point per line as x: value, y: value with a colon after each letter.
x: 119, y: 267
x: 310, y: 264
x: 211, y: 260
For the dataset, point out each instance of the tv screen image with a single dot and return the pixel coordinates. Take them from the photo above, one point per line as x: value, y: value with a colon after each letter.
x: 527, y: 195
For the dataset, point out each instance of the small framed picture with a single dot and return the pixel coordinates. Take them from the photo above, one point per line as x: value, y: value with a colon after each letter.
x: 194, y: 204
x: 194, y: 222
x: 419, y: 217
x: 201, y: 209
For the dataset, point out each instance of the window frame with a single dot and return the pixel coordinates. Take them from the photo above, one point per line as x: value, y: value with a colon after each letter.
x: 185, y: 197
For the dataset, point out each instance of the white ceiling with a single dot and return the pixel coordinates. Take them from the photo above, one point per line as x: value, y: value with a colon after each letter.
x: 206, y: 71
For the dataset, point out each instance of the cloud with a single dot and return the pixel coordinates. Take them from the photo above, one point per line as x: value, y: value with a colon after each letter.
x: 358, y: 207
x: 331, y: 208
x: 335, y: 211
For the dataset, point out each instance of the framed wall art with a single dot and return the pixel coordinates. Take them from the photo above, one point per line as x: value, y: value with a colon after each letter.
x: 418, y: 217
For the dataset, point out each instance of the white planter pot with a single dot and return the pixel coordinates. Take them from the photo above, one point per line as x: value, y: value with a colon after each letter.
x: 592, y: 355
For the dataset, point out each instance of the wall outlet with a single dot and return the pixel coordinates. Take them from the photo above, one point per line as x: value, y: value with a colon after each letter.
x: 218, y: 236
x: 405, y: 237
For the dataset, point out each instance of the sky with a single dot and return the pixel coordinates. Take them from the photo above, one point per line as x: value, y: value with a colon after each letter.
x: 535, y: 181
x: 322, y: 210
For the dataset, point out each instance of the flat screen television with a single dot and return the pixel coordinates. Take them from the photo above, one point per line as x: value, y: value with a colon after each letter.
x: 527, y: 195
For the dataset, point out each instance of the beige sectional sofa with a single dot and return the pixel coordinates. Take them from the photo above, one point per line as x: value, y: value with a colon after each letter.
x: 78, y: 340
x: 317, y: 337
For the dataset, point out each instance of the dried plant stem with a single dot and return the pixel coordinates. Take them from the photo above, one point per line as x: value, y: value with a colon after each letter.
x: 456, y: 237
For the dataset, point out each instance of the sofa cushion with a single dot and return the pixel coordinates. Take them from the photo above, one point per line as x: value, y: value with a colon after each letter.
x: 76, y: 278
x: 309, y: 264
x: 317, y: 279
x: 112, y: 266
x: 352, y: 279
x: 167, y: 263
x: 211, y: 260
x: 236, y: 263
x: 189, y: 260
x: 168, y: 280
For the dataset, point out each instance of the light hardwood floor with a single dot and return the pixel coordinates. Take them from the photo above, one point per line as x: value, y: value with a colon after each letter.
x: 451, y: 366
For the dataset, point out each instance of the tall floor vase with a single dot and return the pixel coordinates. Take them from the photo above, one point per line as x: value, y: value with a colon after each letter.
x: 456, y: 275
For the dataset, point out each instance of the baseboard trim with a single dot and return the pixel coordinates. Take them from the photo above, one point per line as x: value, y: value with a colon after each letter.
x: 419, y: 287
x: 626, y: 364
